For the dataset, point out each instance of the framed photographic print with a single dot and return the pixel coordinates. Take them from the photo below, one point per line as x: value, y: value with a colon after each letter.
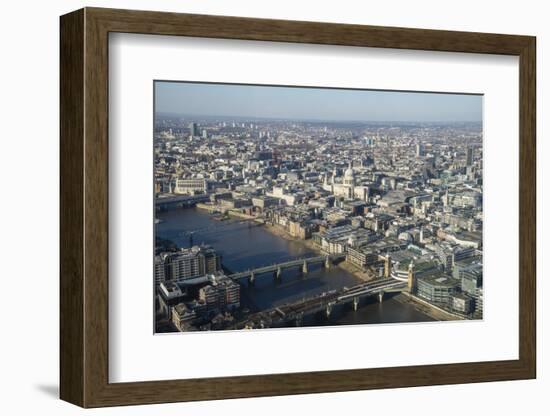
x: 255, y: 207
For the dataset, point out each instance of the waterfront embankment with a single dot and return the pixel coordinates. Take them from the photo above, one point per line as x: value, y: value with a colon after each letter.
x: 350, y: 268
x: 207, y: 207
x: 426, y: 308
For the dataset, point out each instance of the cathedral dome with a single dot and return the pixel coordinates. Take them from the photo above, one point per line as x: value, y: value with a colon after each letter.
x: 349, y: 176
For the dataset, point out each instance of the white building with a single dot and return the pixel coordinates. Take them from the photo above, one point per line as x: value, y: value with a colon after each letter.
x: 346, y: 187
x: 191, y: 186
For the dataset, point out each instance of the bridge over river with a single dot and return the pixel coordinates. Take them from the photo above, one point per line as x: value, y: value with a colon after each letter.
x: 276, y: 269
x: 325, y: 302
x: 171, y: 201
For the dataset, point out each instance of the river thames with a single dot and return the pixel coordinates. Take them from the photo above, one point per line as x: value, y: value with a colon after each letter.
x: 244, y: 246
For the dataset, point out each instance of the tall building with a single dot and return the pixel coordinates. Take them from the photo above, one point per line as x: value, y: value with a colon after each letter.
x: 212, y: 261
x: 193, y: 129
x: 469, y: 156
x: 419, y: 150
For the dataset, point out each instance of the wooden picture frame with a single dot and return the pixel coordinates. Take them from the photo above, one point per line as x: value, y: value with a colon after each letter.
x: 84, y: 207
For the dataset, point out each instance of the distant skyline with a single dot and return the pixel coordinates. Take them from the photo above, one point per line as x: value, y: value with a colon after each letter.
x: 255, y: 101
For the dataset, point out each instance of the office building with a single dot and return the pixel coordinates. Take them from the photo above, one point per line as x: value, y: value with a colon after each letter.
x: 437, y: 288
x: 221, y: 293
x: 186, y: 263
x: 469, y: 156
x: 419, y: 150
x: 193, y: 129
x: 191, y: 186
x: 462, y: 303
x: 471, y: 277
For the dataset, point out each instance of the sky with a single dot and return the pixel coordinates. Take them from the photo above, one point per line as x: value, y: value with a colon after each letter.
x: 254, y: 101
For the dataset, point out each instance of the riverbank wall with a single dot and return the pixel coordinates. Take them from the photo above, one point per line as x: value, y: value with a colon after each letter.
x: 427, y: 308
x: 350, y: 268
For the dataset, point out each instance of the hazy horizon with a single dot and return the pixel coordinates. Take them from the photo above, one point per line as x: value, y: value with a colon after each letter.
x: 314, y: 104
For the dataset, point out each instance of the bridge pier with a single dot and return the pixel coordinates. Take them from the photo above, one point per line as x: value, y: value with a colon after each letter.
x: 380, y: 296
x: 278, y: 273
x: 355, y: 303
x: 251, y: 278
x: 328, y: 310
x: 304, y: 267
x: 327, y: 262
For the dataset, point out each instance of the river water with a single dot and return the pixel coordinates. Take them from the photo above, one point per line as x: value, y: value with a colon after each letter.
x: 244, y: 246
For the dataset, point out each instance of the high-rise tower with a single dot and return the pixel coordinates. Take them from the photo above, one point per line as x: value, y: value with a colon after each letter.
x: 469, y: 156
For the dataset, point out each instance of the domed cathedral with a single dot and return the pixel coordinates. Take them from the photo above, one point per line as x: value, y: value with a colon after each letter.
x: 345, y: 186
x: 349, y: 176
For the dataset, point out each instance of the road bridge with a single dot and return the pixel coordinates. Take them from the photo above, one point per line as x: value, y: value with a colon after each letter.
x: 277, y: 268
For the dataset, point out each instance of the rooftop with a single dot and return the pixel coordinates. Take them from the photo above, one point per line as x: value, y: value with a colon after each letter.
x: 439, y: 279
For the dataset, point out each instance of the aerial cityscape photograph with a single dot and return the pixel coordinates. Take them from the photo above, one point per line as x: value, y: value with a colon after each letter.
x: 290, y: 206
